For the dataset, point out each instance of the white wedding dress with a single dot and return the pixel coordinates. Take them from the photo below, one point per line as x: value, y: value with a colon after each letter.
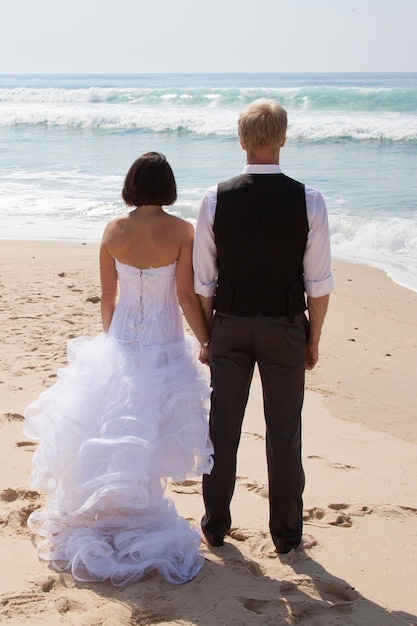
x: 129, y: 411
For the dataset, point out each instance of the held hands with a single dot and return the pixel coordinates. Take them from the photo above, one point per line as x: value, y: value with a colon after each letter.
x: 204, y: 356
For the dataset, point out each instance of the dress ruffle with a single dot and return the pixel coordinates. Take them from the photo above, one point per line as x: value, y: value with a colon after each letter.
x: 118, y: 422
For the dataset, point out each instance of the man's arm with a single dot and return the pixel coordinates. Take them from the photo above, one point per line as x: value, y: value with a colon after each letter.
x: 205, y: 251
x: 318, y: 278
x: 207, y: 306
x: 317, y: 309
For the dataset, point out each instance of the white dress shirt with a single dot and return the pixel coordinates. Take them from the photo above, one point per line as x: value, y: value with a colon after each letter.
x: 318, y: 280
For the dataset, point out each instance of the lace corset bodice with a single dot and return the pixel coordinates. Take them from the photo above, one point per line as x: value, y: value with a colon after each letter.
x: 147, y: 311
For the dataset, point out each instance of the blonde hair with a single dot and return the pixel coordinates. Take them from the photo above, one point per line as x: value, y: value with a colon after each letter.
x: 262, y: 125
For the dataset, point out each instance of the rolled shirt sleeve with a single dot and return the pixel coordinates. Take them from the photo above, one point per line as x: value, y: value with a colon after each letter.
x: 204, y: 250
x: 318, y: 279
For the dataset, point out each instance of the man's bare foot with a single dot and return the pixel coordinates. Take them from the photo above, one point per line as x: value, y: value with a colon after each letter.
x: 216, y: 541
x: 307, y: 542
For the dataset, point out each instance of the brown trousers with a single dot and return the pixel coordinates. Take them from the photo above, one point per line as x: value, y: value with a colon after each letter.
x: 278, y: 347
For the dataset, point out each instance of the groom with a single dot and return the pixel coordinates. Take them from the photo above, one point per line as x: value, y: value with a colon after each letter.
x: 261, y: 244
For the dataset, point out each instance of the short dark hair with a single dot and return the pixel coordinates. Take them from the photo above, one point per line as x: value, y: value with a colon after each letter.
x: 150, y: 180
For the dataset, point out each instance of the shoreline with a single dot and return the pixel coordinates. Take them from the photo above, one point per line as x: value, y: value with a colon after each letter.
x: 359, y: 453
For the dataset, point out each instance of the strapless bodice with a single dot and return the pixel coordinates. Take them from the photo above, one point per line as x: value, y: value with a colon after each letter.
x: 147, y: 312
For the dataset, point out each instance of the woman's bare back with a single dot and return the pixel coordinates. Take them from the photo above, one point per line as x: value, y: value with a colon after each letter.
x: 146, y: 237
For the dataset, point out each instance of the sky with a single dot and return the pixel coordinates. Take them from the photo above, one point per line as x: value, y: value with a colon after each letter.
x: 160, y: 36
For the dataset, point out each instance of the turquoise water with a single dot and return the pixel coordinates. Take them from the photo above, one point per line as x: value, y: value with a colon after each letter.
x: 66, y: 143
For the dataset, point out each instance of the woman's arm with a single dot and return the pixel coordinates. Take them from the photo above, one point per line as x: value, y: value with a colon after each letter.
x: 187, y: 298
x: 108, y: 279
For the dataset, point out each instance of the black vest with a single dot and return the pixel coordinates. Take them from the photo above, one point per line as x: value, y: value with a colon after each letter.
x: 260, y: 229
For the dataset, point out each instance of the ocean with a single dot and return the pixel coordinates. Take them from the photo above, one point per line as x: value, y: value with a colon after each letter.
x: 67, y: 141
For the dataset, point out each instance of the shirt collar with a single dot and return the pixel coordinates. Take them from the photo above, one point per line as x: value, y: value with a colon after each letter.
x: 262, y: 168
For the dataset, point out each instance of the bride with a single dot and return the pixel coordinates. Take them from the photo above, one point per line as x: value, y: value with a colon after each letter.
x: 130, y: 409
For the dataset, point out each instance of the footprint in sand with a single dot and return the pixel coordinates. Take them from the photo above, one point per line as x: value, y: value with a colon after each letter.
x: 319, y: 588
x: 355, y: 509
x: 143, y: 615
x: 10, y: 495
x: 388, y: 510
x: 341, y: 466
x: 253, y: 485
x: 239, y: 534
x: 332, y: 464
x: 27, y: 604
x: 16, y: 605
x: 14, y: 417
x: 262, y: 546
x: 253, y: 435
x: 305, y: 598
x: 14, y: 518
x: 321, y: 517
x: 338, y: 514
x: 259, y: 543
x: 188, y: 486
x: 16, y: 521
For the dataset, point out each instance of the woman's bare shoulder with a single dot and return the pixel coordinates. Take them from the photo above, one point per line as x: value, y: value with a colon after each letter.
x: 183, y: 227
x: 116, y: 226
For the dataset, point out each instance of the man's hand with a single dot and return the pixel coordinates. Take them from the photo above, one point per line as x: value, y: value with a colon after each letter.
x: 204, y: 356
x: 312, y: 355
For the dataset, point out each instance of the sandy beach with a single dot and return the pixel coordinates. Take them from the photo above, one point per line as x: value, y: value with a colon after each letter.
x: 360, y: 459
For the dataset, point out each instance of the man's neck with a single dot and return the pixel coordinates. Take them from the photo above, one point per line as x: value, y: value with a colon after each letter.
x: 263, y: 158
